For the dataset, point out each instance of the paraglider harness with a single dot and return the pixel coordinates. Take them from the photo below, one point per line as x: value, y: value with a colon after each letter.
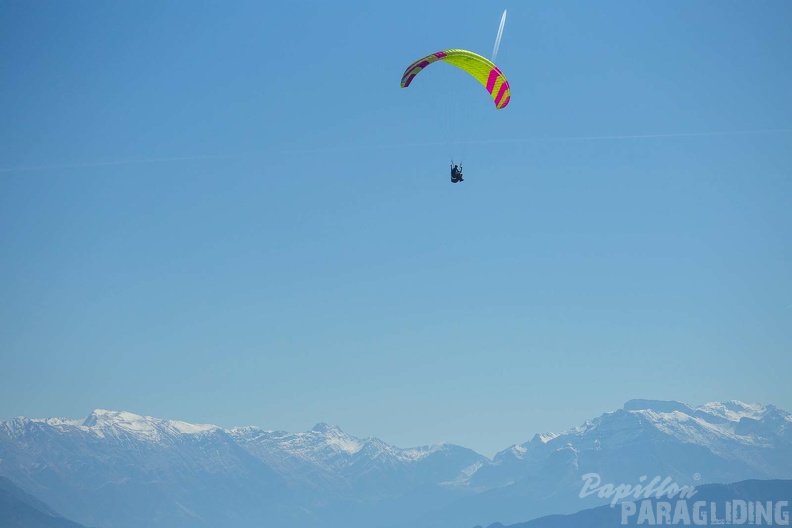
x: 456, y: 173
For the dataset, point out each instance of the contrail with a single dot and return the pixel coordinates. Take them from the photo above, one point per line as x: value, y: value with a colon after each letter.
x: 640, y: 136
x: 538, y: 139
x: 498, y: 38
x: 111, y: 163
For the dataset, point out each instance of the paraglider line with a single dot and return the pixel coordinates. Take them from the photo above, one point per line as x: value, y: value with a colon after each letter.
x: 34, y: 168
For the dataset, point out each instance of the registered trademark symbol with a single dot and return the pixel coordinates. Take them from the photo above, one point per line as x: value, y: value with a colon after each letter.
x: 696, y: 476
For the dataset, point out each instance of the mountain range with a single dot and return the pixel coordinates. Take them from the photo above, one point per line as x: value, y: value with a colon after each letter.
x: 116, y: 469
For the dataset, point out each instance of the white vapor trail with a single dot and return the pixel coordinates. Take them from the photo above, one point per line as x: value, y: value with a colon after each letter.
x: 111, y: 163
x: 643, y: 136
x: 498, y: 38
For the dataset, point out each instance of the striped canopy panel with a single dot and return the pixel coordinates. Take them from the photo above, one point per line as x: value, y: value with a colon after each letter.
x: 480, y: 68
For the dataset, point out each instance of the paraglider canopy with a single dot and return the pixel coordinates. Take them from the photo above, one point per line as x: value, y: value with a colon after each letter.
x: 481, y: 69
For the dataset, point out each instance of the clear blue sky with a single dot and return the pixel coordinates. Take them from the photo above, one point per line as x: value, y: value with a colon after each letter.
x: 293, y: 252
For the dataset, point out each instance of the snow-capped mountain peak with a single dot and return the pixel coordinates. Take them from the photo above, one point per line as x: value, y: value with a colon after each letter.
x: 733, y: 410
x: 103, y: 422
x: 326, y: 428
x: 203, y: 468
x: 544, y: 437
x: 657, y: 406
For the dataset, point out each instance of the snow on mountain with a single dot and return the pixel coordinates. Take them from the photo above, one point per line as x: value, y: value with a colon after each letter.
x: 329, y: 447
x: 733, y: 411
x: 326, y: 457
x: 97, y: 470
x: 732, y: 431
x: 145, y: 428
x: 101, y: 470
x: 117, y: 424
x: 657, y: 406
x: 715, y: 442
x: 107, y: 462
